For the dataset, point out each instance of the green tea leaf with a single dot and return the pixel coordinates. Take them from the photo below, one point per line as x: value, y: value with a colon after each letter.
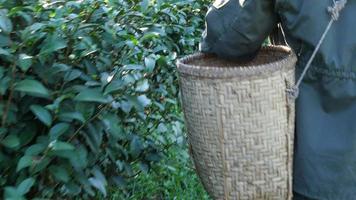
x: 24, y: 162
x: 143, y: 100
x: 100, y: 185
x: 79, y: 158
x: 28, y: 134
x: 40, y: 165
x: 42, y: 114
x: 4, y: 40
x: 32, y: 88
x: 4, y: 84
x: 3, y: 131
x: 114, y: 86
x: 142, y: 86
x: 5, y: 23
x: 72, y: 75
x: 135, y: 146
x: 35, y: 149
x: 72, y: 116
x: 126, y: 106
x: 58, y: 130
x: 87, y: 109
x: 150, y: 64
x: 113, y: 126
x: 91, y: 95
x: 25, y: 186
x: 60, y: 146
x: 60, y: 173
x: 11, y: 193
x: 72, y: 188
x: 11, y: 141
x: 24, y: 62
x: 5, y: 52
x: 144, y: 5
x: 53, y: 43
x: 133, y: 67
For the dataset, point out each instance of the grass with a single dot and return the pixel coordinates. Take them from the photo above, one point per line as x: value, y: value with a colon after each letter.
x: 174, y: 178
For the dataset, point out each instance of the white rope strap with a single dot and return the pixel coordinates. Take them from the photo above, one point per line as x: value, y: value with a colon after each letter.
x: 335, y: 13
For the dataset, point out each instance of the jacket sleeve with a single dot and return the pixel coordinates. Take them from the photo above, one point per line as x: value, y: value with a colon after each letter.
x: 237, y: 30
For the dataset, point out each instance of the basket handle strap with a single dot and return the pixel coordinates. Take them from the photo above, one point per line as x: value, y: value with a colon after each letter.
x: 334, y: 11
x: 277, y: 37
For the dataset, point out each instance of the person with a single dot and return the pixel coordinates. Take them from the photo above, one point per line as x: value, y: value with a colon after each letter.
x: 325, y: 141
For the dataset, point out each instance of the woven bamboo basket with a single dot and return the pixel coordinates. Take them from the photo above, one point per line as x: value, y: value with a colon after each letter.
x: 240, y: 123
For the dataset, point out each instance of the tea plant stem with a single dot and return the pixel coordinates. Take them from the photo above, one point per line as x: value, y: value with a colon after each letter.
x: 89, y: 120
x: 8, y: 104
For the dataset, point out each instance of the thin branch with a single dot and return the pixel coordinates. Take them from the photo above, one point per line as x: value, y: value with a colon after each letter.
x: 8, y: 104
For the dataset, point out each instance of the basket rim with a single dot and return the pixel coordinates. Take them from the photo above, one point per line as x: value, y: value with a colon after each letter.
x: 286, y: 63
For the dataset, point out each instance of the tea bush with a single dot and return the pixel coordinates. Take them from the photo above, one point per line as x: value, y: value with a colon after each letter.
x: 89, y: 91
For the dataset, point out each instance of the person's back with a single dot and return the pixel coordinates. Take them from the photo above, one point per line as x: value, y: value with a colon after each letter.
x: 325, y: 146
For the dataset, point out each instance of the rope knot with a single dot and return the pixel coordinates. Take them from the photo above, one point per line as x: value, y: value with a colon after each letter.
x: 336, y: 9
x: 293, y: 92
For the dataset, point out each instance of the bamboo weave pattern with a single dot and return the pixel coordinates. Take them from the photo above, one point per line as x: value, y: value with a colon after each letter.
x: 240, y: 123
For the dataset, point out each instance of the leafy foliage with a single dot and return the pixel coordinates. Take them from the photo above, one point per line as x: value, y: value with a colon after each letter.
x: 173, y: 178
x: 89, y: 91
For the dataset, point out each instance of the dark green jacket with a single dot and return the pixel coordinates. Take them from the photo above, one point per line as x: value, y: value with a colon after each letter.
x: 325, y: 146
